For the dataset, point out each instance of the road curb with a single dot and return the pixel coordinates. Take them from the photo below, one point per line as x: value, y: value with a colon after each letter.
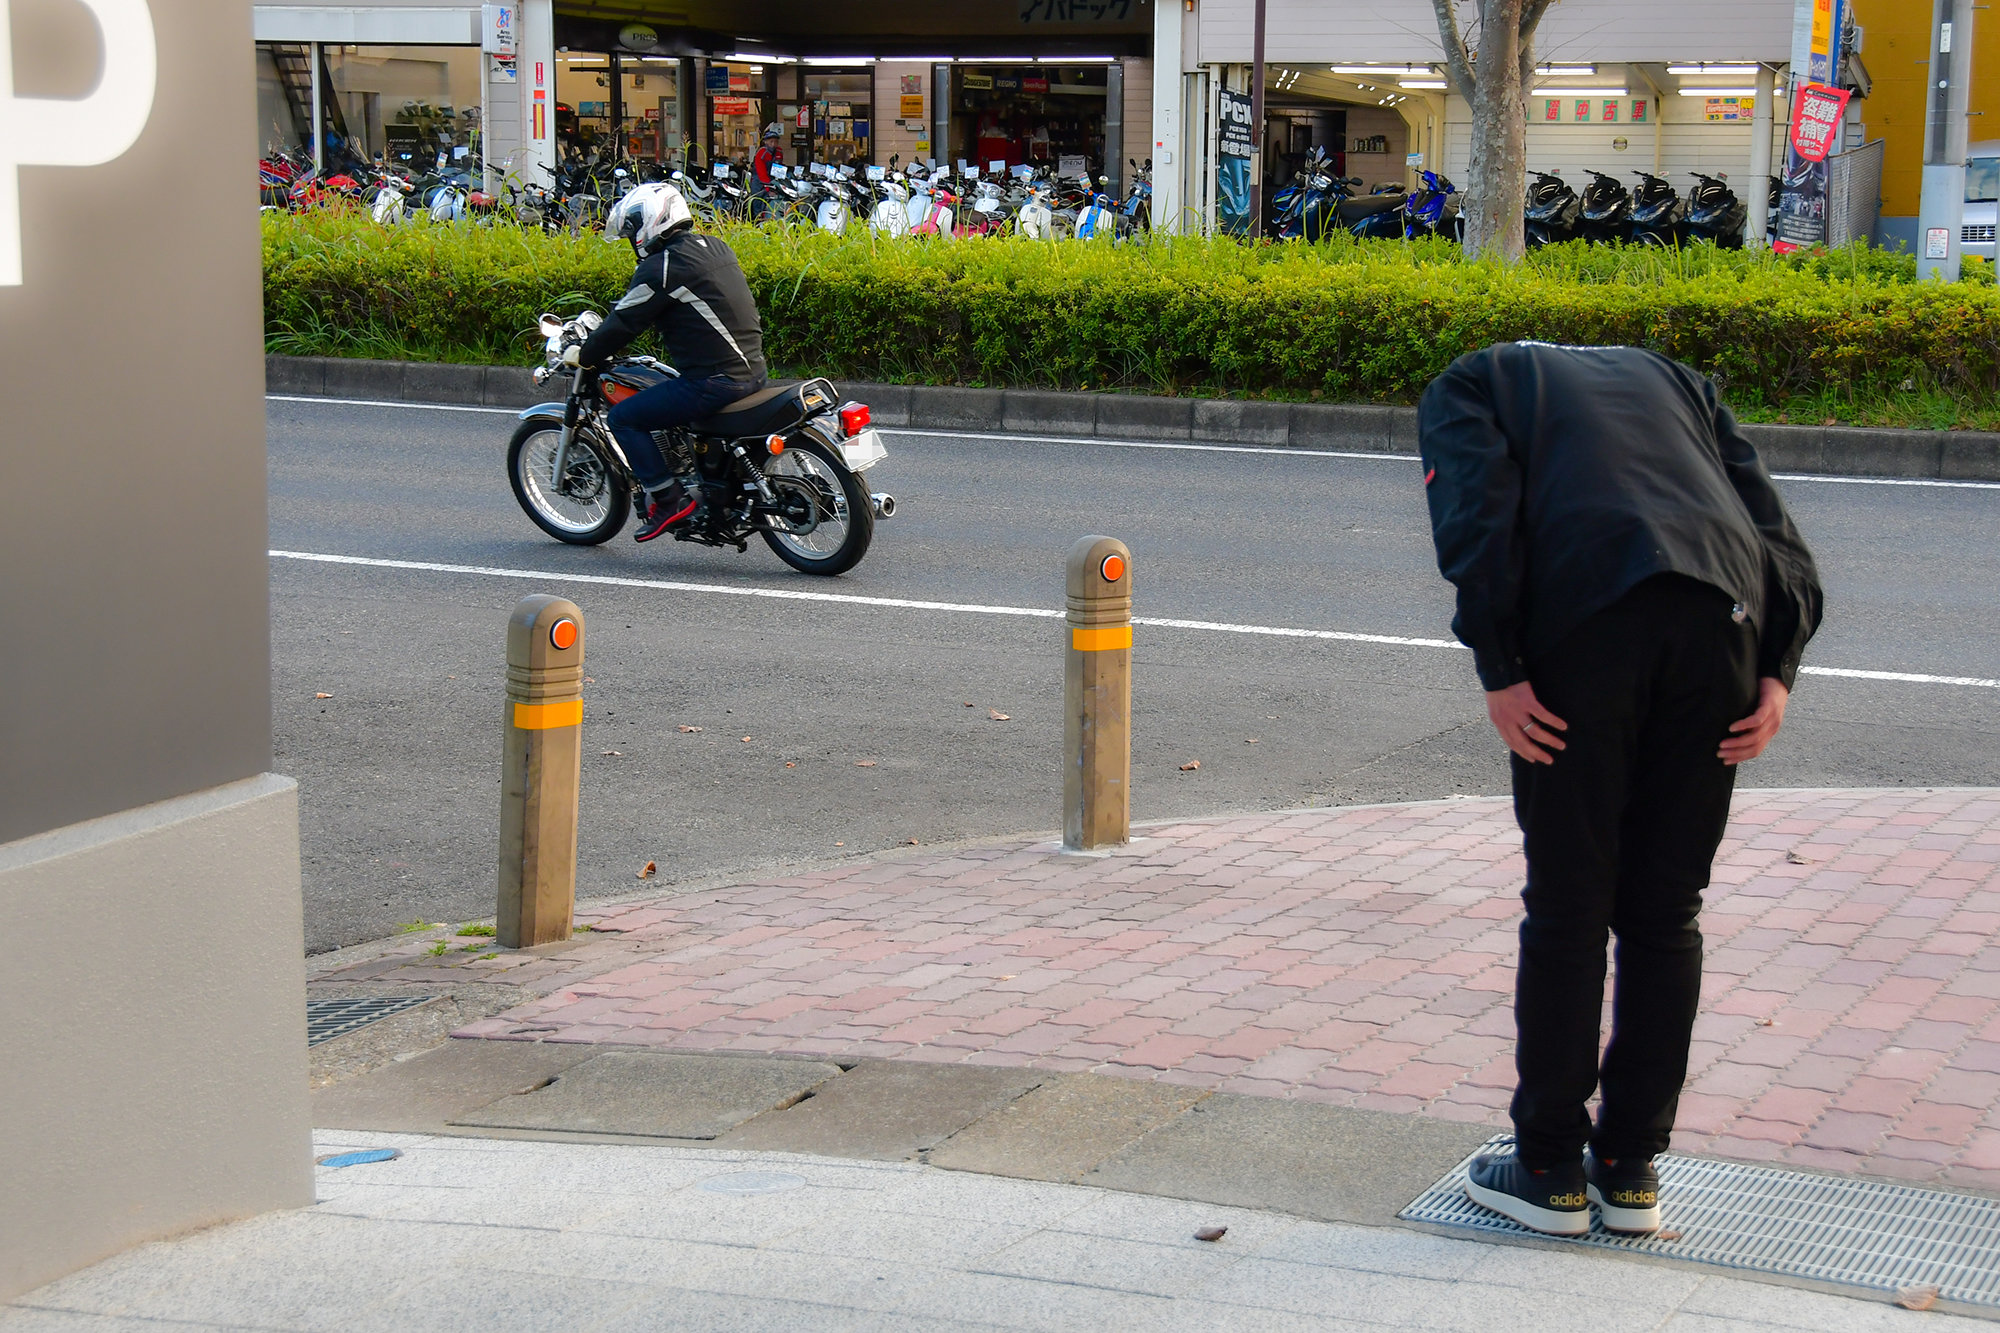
x: 1851, y: 451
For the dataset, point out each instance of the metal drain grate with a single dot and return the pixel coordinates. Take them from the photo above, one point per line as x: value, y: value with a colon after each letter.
x: 1770, y: 1220
x: 327, y: 1019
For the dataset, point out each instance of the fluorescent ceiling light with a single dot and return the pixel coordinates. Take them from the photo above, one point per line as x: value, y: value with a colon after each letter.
x: 1718, y: 92
x: 1566, y: 71
x: 1076, y: 60
x: 1385, y: 71
x: 1000, y: 60
x: 839, y: 60
x: 1579, y: 92
x: 1422, y: 83
x: 1720, y: 71
x: 751, y: 58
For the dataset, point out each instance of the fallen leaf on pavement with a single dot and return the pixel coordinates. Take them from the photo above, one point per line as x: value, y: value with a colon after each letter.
x: 1764, y: 1022
x: 648, y: 871
x: 1191, y: 765
x: 864, y: 763
x: 1796, y: 859
x: 840, y: 844
x: 1917, y: 1298
x: 322, y: 696
x: 1669, y: 1234
x: 1211, y: 1233
x: 686, y: 729
x: 790, y: 764
x: 1249, y: 740
x: 746, y: 740
x: 912, y: 842
x: 968, y: 703
x: 615, y: 754
x: 590, y: 680
x: 997, y: 715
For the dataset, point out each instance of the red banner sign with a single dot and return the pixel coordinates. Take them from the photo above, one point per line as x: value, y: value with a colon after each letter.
x: 730, y: 106
x: 1816, y: 119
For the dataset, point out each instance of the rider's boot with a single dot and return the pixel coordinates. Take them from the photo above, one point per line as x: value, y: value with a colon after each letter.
x: 665, y: 507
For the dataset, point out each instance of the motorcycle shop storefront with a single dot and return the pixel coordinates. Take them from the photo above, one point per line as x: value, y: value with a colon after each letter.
x: 1052, y: 115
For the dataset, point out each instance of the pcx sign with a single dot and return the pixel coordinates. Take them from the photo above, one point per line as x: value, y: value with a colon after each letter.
x: 82, y: 132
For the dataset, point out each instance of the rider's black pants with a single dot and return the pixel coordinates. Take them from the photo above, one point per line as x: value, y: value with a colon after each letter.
x: 674, y: 403
x: 1620, y: 832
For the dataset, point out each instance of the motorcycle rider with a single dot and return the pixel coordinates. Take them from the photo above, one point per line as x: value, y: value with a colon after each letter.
x: 763, y: 181
x: 690, y: 290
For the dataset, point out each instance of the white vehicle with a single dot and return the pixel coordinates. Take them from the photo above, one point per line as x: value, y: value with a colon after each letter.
x: 1982, y: 198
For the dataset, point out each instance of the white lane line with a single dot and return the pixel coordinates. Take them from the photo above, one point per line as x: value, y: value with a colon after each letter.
x: 1033, y: 612
x: 1141, y: 444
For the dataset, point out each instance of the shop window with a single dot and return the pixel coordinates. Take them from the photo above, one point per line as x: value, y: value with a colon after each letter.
x: 1037, y: 115
x: 839, y: 110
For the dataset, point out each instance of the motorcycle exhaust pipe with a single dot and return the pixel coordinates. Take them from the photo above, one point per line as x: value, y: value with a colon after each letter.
x: 883, y: 503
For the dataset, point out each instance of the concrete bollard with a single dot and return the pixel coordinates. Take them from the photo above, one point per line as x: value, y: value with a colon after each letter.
x: 1097, y: 697
x: 542, y: 770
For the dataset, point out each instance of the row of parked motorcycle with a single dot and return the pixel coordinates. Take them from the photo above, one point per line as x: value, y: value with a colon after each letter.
x: 1318, y: 203
x: 929, y: 200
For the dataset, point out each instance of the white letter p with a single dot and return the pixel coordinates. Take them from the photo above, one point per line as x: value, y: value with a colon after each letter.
x: 46, y: 132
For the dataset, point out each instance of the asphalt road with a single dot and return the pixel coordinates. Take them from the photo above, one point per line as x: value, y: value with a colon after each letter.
x: 398, y: 768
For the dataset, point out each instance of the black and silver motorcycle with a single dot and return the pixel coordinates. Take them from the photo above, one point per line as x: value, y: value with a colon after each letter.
x: 1605, y: 211
x: 1552, y: 211
x: 1715, y: 213
x: 785, y: 464
x: 1658, y: 212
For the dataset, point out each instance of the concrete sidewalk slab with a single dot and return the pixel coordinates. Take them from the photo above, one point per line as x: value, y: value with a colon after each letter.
x: 1065, y: 1127
x: 1358, y: 957
x: 886, y: 1112
x: 431, y: 1089
x: 655, y: 1094
x: 501, y: 1235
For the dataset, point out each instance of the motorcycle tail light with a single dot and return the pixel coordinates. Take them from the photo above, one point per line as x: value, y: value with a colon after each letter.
x: 853, y: 418
x: 615, y: 392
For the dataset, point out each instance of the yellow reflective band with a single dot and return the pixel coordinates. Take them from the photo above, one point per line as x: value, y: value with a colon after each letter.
x: 540, y: 717
x: 1101, y: 640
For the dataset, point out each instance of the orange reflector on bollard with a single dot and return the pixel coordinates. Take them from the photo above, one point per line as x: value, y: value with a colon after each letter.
x: 776, y: 444
x: 1113, y: 568
x: 563, y: 634
x: 1101, y: 640
x: 545, y: 717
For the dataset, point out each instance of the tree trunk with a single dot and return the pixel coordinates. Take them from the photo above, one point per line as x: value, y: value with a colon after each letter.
x: 1495, y: 84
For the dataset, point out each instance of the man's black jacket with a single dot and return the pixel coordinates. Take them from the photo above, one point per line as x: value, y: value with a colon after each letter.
x: 1560, y: 477
x: 692, y: 291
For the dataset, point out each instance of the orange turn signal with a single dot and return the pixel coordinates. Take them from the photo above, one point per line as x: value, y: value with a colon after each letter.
x: 776, y: 444
x: 1113, y: 568
x: 563, y: 634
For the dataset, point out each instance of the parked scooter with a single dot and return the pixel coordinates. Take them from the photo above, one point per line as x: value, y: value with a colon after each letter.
x: 1553, y: 210
x: 1379, y: 215
x: 1658, y: 212
x: 1433, y: 209
x: 890, y: 213
x: 1715, y: 214
x: 1604, y: 213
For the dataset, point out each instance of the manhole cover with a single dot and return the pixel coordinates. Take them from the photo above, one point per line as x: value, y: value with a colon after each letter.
x: 753, y: 1182
x: 1771, y: 1220
x: 327, y: 1019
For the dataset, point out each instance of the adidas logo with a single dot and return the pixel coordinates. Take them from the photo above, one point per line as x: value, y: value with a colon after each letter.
x: 1635, y: 1198
x: 1568, y: 1201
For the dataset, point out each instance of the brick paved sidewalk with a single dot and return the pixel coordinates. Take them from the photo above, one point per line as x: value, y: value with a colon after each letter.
x: 1359, y: 956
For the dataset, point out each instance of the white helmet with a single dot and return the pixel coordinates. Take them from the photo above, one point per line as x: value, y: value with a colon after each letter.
x: 647, y: 216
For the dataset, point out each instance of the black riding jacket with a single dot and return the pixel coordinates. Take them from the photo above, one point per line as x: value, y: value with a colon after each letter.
x: 692, y: 292
x: 1560, y: 477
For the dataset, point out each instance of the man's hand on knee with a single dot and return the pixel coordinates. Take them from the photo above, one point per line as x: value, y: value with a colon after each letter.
x: 1747, y: 739
x: 1524, y: 724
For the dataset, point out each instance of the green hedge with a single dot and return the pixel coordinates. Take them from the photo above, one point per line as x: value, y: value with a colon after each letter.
x: 1849, y: 334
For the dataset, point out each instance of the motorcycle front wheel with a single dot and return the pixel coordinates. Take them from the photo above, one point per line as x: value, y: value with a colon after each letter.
x: 589, y: 505
x: 843, y: 520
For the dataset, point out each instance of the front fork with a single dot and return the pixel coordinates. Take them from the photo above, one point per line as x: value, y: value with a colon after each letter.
x: 572, y: 411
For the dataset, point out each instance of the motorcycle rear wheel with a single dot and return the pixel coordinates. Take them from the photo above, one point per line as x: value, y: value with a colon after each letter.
x: 591, y: 508
x: 846, y: 521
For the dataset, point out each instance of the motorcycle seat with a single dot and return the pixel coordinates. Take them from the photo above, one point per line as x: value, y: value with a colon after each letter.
x: 772, y: 410
x: 1353, y: 210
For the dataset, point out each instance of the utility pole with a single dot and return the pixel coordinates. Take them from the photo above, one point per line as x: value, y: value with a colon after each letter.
x: 1761, y: 128
x: 1257, y: 124
x: 1942, y: 212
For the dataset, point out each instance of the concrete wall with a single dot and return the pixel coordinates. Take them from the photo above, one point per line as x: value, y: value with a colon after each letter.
x: 149, y: 962
x: 153, y: 974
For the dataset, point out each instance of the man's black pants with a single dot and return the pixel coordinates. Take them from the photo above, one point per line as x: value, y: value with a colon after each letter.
x: 1620, y: 832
